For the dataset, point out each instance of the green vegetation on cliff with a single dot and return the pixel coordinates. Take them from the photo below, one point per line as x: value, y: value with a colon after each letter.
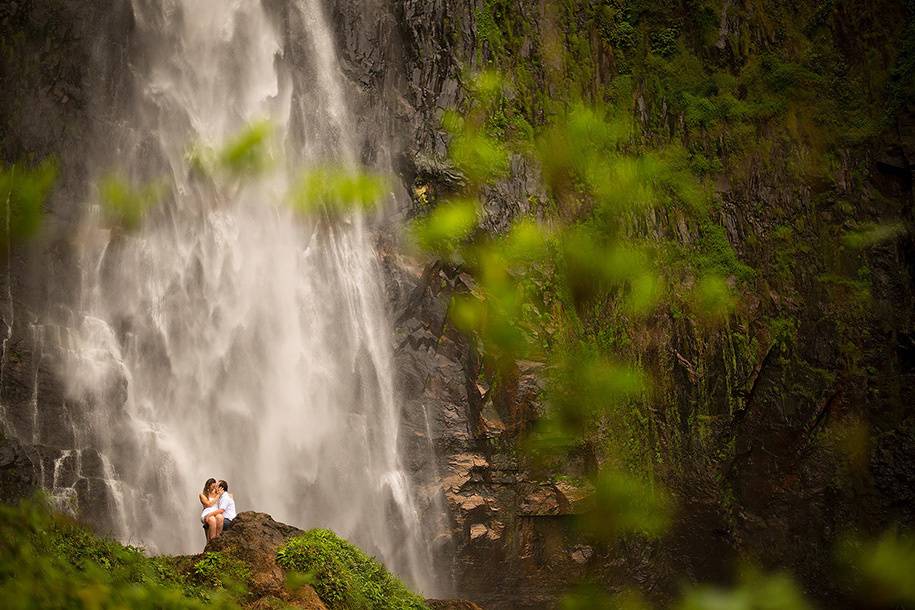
x: 49, y: 561
x: 344, y: 577
x: 715, y: 273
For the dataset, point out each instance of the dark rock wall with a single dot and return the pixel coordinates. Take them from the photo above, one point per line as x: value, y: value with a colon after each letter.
x: 750, y: 421
x: 64, y: 81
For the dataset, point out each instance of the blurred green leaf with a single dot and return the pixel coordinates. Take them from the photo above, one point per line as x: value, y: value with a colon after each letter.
x: 337, y: 190
x: 448, y: 224
x: 452, y: 122
x: 593, y: 131
x: 124, y: 206
x: 644, y: 292
x: 467, y: 313
x: 525, y: 242
x: 712, y: 298
x: 296, y: 580
x: 755, y: 591
x: 479, y: 157
x: 486, y: 85
x: 595, y: 598
x: 884, y: 566
x: 625, y: 504
x: 873, y: 234
x: 23, y: 191
x: 248, y: 151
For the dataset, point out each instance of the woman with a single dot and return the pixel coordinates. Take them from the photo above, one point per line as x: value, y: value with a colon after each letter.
x: 211, y: 515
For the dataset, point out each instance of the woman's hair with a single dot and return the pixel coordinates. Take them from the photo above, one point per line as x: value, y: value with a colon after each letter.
x: 207, y: 485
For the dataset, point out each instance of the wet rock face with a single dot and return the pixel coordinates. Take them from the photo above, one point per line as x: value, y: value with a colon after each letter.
x: 507, y: 540
x: 18, y: 476
x: 66, y: 61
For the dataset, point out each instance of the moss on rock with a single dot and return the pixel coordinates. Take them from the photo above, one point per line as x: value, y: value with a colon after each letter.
x: 343, y: 575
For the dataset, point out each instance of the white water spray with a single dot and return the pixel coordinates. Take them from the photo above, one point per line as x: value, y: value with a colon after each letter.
x: 255, y: 345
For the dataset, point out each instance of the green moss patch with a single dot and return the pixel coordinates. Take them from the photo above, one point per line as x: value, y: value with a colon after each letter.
x: 344, y: 576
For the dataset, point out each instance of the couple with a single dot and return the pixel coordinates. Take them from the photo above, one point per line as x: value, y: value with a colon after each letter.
x: 218, y: 508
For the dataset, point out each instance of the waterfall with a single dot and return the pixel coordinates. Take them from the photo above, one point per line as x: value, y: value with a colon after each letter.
x: 228, y: 337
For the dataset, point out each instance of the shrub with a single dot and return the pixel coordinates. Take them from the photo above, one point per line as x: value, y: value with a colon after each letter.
x: 48, y: 561
x: 217, y: 570
x: 344, y: 576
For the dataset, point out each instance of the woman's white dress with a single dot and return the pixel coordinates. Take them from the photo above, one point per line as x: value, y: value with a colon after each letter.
x: 207, y: 510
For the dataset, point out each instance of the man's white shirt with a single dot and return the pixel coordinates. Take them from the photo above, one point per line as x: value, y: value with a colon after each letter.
x: 227, y: 503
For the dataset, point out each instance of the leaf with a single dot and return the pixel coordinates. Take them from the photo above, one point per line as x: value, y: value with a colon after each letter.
x: 448, y: 224
x: 125, y: 206
x: 23, y: 191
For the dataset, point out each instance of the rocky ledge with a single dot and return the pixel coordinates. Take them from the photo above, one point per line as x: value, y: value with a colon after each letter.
x: 251, y: 548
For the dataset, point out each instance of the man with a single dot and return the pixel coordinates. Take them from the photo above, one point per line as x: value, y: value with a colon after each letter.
x: 226, y: 506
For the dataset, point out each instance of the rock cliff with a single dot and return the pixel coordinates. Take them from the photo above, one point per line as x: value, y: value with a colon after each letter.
x: 748, y: 419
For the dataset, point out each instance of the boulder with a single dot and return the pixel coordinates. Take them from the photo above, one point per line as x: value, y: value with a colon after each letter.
x: 254, y: 539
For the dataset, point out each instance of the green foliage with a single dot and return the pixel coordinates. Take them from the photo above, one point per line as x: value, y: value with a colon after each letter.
x: 625, y: 504
x: 333, y: 190
x: 716, y: 255
x: 124, y: 206
x: 23, y: 191
x: 446, y: 226
x: 247, y: 152
x: 343, y: 576
x: 756, y: 591
x: 479, y: 157
x: 47, y: 561
x: 664, y: 42
x: 873, y: 234
x: 882, y: 568
x: 219, y: 570
x: 487, y: 28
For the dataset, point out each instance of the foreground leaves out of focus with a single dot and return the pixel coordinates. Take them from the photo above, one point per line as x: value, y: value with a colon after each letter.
x: 48, y: 561
x: 578, y: 254
x: 755, y: 591
x: 542, y: 284
x: 23, y: 191
x: 882, y: 569
x: 125, y: 206
x: 334, y: 191
x: 321, y: 191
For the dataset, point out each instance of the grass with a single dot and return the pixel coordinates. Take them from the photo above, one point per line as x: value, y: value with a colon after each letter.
x: 49, y: 561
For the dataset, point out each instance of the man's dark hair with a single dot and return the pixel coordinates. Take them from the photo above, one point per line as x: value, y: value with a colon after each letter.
x: 224, y: 485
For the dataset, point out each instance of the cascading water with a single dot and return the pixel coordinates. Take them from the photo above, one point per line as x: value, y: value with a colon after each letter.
x: 254, y: 345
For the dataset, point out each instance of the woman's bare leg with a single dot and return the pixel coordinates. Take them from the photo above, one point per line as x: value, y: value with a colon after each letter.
x: 212, y: 527
x: 219, y: 521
